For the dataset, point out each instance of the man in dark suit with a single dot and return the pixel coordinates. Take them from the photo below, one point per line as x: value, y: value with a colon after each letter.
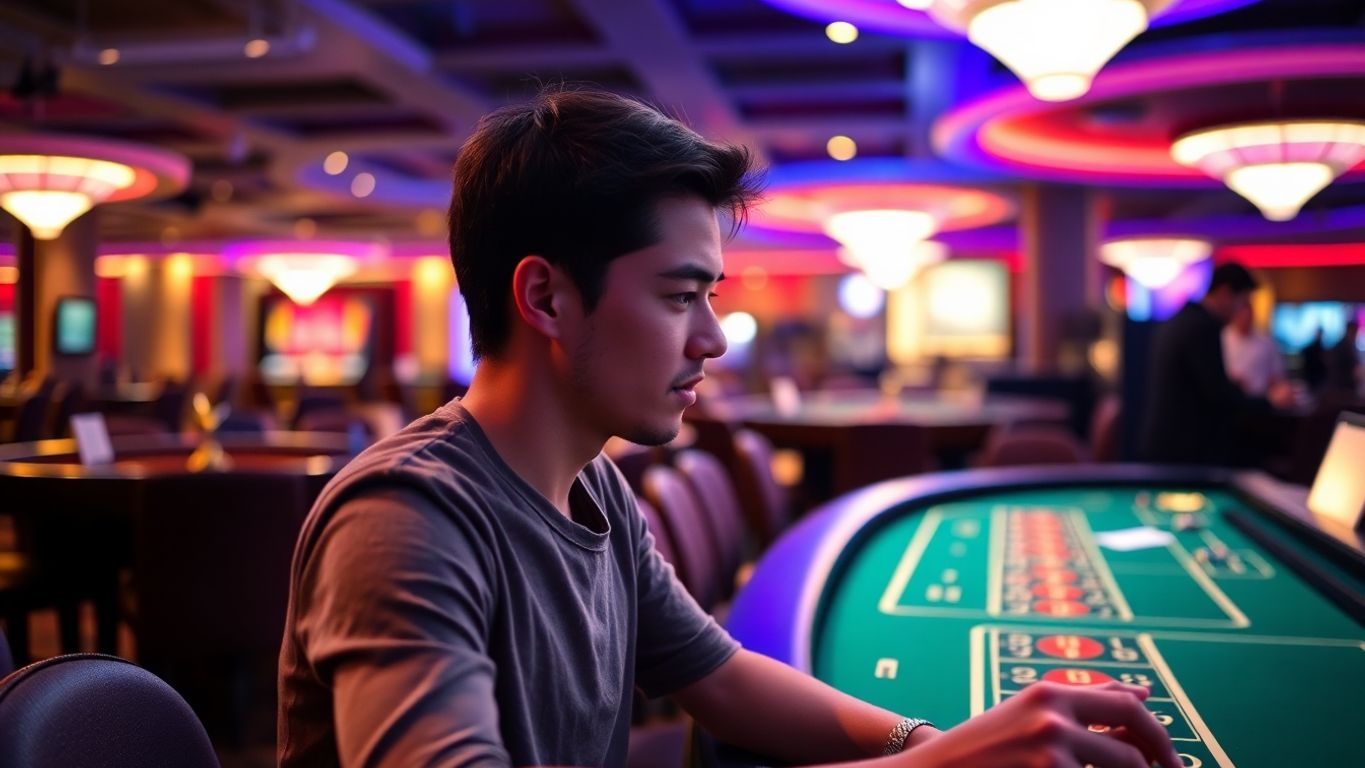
x: 1192, y: 414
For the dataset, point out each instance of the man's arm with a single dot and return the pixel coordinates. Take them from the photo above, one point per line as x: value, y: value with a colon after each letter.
x: 802, y: 718
x: 390, y: 613
x: 767, y: 707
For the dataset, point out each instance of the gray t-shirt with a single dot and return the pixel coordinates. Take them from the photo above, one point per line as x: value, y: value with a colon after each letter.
x: 443, y: 612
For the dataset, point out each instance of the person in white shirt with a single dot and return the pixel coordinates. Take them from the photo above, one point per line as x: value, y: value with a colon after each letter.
x: 1252, y: 360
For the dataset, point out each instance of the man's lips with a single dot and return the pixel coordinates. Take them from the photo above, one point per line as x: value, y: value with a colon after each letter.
x: 690, y: 383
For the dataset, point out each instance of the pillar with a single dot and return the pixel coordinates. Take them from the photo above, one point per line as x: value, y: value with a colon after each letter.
x: 49, y: 270
x: 1059, y: 239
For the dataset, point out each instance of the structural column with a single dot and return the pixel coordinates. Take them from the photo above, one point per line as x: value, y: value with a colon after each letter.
x: 1060, y: 284
x: 156, y: 316
x: 49, y: 270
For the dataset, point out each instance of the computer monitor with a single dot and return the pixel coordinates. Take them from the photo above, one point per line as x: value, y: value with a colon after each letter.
x: 73, y: 331
x: 1338, y: 491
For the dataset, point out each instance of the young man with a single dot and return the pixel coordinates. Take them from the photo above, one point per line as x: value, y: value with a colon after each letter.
x: 480, y: 589
x: 1192, y: 414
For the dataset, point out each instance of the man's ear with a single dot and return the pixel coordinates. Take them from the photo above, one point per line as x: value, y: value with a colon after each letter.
x: 540, y: 292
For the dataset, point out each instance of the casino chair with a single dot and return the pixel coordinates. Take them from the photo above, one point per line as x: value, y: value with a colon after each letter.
x: 716, y: 436
x: 697, y: 562
x: 1105, y: 423
x: 762, y: 500
x: 210, y: 585
x: 70, y: 400
x: 1031, y: 445
x: 31, y: 419
x: 716, y: 498
x: 6, y: 660
x: 170, y: 407
x: 317, y: 406
x: 88, y: 710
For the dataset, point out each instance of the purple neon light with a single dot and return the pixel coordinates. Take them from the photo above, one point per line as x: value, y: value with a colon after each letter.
x: 957, y: 135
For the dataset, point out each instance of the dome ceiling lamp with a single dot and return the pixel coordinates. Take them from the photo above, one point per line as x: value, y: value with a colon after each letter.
x: 889, y: 246
x: 1055, y: 46
x: 1154, y: 262
x: 48, y: 181
x: 1277, y: 165
x: 303, y: 271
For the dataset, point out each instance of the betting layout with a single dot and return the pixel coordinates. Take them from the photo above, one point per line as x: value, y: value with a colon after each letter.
x: 1041, y: 562
x: 1049, y: 570
x: 1016, y: 658
x: 1019, y: 583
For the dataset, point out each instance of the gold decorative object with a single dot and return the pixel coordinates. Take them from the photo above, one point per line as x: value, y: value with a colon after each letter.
x: 209, y: 456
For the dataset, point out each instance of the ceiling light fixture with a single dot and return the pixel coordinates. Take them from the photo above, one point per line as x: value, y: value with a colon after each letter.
x: 47, y: 181
x: 1154, y: 261
x: 302, y: 271
x: 886, y: 245
x: 1055, y: 46
x: 1276, y: 165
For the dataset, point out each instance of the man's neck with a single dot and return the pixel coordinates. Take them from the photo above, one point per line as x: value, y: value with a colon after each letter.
x: 532, y: 428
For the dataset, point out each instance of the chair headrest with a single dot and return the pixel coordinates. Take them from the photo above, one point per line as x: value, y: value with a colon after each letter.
x: 89, y: 709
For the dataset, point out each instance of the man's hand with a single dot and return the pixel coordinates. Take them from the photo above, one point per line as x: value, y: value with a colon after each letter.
x: 1049, y: 725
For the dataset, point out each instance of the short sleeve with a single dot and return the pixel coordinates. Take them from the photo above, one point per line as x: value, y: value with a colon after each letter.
x: 393, y: 617
x: 678, y: 643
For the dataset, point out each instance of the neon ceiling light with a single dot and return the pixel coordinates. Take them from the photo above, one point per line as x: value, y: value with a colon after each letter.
x: 1277, y: 165
x: 1055, y: 46
x: 1154, y: 262
x: 46, y: 182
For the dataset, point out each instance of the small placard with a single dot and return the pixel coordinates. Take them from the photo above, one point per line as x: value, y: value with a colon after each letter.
x: 1130, y: 539
x: 92, y: 439
x: 1338, y: 492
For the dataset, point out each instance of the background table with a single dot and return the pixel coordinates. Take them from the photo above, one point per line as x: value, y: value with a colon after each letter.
x: 939, y: 597
x: 76, y: 523
x: 853, y: 438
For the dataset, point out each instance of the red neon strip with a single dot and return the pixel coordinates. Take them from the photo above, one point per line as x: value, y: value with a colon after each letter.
x: 109, y: 322
x: 1294, y: 255
x: 203, y: 306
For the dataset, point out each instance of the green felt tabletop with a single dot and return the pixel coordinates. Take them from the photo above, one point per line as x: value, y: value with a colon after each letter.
x: 945, y: 611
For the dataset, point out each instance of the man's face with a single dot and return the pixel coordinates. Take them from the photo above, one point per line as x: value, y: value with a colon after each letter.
x: 634, y: 362
x: 1225, y: 303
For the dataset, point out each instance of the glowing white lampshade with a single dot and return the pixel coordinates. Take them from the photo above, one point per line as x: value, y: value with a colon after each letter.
x: 885, y: 244
x: 303, y: 277
x: 1154, y: 261
x: 46, y: 192
x: 1278, y: 166
x: 1054, y: 46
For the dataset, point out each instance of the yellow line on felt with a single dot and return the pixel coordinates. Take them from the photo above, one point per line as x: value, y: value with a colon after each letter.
x: 1191, y: 714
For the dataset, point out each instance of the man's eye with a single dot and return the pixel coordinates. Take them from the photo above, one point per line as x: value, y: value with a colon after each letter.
x: 684, y: 298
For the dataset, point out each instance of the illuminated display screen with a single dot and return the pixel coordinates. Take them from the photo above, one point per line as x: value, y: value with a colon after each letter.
x: 326, y: 343
x: 967, y: 309
x: 1293, y: 326
x: 74, y: 331
x: 7, y: 341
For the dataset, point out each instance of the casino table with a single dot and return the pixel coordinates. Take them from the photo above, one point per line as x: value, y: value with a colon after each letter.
x: 941, y: 596
x: 862, y: 436
x: 75, y: 522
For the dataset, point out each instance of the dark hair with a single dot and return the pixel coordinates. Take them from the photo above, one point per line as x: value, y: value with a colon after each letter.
x: 574, y: 176
x: 1234, y: 276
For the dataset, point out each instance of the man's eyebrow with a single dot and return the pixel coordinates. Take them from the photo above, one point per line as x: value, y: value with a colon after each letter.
x: 692, y: 272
